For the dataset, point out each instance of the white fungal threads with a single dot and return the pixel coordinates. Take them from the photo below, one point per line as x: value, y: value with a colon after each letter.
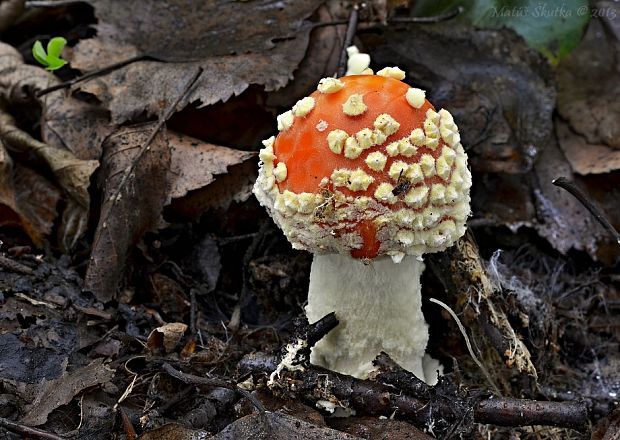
x: 303, y: 106
x: 415, y: 97
x: 336, y: 140
x: 280, y: 172
x: 376, y: 161
x: 285, y: 120
x: 330, y: 85
x: 392, y: 72
x: 386, y: 124
x: 354, y: 105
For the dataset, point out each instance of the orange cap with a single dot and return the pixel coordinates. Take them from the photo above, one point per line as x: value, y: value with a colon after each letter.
x: 365, y: 166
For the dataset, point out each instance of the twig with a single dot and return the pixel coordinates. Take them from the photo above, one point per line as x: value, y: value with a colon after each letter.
x: 372, y: 398
x: 320, y: 328
x: 393, y: 20
x: 572, y: 188
x: 92, y: 74
x: 50, y: 3
x: 12, y: 265
x: 213, y: 382
x: 27, y: 430
x: 348, y: 40
x: 432, y: 19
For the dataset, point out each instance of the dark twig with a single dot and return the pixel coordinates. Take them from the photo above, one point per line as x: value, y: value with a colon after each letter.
x: 212, y: 382
x: 572, y: 188
x: 27, y: 431
x: 433, y: 19
x: 320, y: 328
x: 92, y: 74
x: 12, y: 265
x: 373, y: 398
x: 393, y: 20
x: 348, y: 40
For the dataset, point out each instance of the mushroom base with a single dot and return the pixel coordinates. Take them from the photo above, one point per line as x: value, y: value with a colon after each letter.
x: 379, y: 306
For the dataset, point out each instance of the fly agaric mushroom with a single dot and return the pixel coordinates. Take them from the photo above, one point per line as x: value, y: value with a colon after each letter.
x: 366, y: 174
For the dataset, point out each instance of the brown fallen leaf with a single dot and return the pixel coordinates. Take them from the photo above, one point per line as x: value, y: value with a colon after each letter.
x: 174, y: 431
x: 278, y: 426
x: 131, y: 206
x: 378, y: 429
x: 194, y: 164
x: 166, y: 337
x: 55, y: 393
x: 586, y: 158
x: 588, y: 87
x: 185, y: 34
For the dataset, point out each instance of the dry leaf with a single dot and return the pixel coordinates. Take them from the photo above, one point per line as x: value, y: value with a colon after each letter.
x: 166, y: 337
x: 132, y: 203
x: 588, y: 86
x: 237, y: 44
x: 194, y: 164
x: 586, y: 158
x: 55, y: 393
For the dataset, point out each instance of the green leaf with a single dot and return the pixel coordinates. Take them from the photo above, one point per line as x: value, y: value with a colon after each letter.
x: 55, y: 47
x: 39, y: 53
x: 55, y: 63
x: 553, y: 28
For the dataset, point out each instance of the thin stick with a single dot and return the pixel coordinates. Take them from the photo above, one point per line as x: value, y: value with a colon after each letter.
x: 348, y: 40
x: 572, y: 188
x: 469, y: 347
x: 191, y: 379
x: 24, y: 430
x: 320, y: 328
x: 433, y: 19
x: 92, y: 74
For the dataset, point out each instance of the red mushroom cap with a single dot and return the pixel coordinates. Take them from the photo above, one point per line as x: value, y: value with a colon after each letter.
x: 365, y: 166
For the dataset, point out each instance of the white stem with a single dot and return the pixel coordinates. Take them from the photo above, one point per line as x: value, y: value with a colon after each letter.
x: 379, y: 307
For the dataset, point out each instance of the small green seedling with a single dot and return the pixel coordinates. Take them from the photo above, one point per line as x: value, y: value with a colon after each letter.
x: 51, y: 60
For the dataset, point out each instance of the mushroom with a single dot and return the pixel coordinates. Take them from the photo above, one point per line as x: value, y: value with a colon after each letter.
x: 366, y: 174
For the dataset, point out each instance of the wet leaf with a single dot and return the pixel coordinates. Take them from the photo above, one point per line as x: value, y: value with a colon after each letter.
x: 55, y: 393
x: 186, y: 34
x: 132, y: 203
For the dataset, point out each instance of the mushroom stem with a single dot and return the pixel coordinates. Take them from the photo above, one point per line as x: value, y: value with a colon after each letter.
x: 379, y: 306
